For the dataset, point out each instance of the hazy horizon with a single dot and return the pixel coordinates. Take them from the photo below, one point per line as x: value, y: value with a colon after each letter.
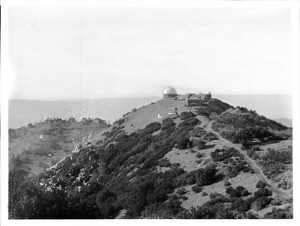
x: 22, y: 112
x: 128, y: 97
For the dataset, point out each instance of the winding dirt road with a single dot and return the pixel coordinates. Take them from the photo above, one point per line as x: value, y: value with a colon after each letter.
x: 258, y: 170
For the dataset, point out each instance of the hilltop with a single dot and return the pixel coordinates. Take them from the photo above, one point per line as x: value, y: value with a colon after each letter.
x: 170, y: 160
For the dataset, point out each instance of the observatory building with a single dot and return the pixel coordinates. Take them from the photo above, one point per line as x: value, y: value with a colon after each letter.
x: 169, y: 92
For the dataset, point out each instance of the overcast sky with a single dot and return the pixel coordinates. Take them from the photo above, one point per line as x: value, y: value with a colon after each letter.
x: 61, y: 53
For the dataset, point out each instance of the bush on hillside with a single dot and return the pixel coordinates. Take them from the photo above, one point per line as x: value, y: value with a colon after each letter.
x: 237, y: 192
x: 210, y: 211
x: 199, y: 143
x: 261, y: 184
x: 243, y: 126
x: 168, y: 125
x: 183, y: 142
x: 164, y: 163
x: 261, y: 203
x: 153, y: 127
x: 262, y: 192
x: 277, y: 213
x: 210, y: 136
x: 284, y: 157
x: 237, y: 168
x: 189, y: 122
x: 197, y: 132
x: 185, y: 115
x: 252, y: 154
x: 197, y: 188
x: 220, y: 155
x: 206, y: 176
x: 275, y: 162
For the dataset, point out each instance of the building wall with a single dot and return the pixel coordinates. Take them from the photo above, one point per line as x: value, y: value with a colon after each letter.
x: 168, y: 96
x: 207, y: 96
x: 193, y: 102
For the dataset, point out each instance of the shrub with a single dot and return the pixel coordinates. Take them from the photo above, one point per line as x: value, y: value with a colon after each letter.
x: 156, y: 196
x: 152, y: 127
x: 185, y: 115
x: 210, y: 136
x: 204, y: 112
x: 187, y: 179
x: 245, y: 193
x: 261, y: 203
x: 220, y: 155
x: 240, y: 205
x: 158, y: 211
x: 183, y: 142
x: 197, y: 188
x: 238, y: 192
x: 74, y: 170
x: 227, y: 183
x: 181, y: 191
x: 238, y: 167
x: 216, y: 211
x: 250, y: 215
x: 261, y: 184
x: 197, y: 132
x: 262, y: 192
x: 189, y: 122
x: 164, y: 163
x: 200, y: 155
x: 134, y: 202
x: 284, y: 157
x: 251, y: 153
x: 119, y: 122
x: 206, y: 176
x: 199, y: 143
x: 279, y: 214
x: 168, y: 125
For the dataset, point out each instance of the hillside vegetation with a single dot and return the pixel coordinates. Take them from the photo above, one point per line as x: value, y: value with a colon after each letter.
x: 241, y: 125
x: 176, y: 166
x: 38, y: 146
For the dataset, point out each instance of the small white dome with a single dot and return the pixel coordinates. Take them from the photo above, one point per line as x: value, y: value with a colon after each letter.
x: 169, y: 90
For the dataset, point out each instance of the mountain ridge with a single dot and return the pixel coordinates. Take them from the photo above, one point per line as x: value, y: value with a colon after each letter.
x: 168, y: 160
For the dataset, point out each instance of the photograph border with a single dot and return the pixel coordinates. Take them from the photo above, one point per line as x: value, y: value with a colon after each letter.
x: 292, y: 5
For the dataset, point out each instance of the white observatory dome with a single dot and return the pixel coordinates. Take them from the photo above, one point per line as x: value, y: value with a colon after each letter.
x: 169, y: 90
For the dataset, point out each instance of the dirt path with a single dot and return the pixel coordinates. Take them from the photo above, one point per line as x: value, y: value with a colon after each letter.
x: 280, y: 194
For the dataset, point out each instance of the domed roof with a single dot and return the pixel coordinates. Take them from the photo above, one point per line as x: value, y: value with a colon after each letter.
x: 169, y: 90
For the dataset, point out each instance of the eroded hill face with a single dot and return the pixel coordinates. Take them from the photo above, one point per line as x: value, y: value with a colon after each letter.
x: 37, y: 147
x: 178, y: 165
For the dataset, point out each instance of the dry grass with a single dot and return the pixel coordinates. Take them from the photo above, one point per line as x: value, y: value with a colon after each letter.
x: 247, y: 180
x: 197, y: 199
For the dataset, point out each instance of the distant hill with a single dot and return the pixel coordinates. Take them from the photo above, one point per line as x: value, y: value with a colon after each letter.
x: 38, y: 146
x: 271, y: 106
x: 285, y: 121
x: 22, y: 112
x: 168, y: 160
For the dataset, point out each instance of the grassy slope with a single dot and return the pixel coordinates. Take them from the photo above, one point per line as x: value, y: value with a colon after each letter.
x: 46, y: 143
